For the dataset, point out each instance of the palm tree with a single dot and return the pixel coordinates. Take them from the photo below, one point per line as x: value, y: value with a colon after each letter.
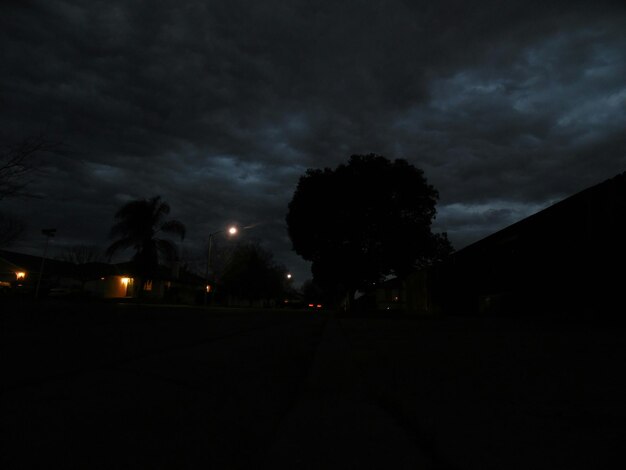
x: 138, y: 225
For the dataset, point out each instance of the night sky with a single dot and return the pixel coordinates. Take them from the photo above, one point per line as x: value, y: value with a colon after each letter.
x: 220, y: 106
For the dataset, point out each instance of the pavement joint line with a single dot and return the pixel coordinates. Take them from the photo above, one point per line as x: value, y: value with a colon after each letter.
x: 384, y: 401
x: 302, y: 387
x: 334, y: 390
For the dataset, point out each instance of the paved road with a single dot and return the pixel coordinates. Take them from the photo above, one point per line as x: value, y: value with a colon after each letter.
x: 155, y: 388
x: 118, y: 386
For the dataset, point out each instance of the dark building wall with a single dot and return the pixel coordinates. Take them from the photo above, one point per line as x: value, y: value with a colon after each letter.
x: 566, y: 259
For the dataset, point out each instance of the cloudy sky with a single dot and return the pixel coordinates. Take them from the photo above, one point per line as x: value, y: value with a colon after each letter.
x: 220, y: 106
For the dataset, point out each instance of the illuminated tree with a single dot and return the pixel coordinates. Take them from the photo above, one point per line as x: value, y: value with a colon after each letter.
x: 363, y: 221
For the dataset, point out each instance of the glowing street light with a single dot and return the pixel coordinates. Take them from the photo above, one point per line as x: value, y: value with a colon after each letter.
x: 232, y: 230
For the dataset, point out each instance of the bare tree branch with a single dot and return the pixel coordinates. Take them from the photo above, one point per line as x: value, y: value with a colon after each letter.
x: 17, y: 162
x: 82, y: 254
x: 11, y: 227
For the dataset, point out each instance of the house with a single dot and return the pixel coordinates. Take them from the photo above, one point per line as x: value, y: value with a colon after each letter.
x: 107, y: 281
x: 19, y: 273
x: 10, y: 274
x: 389, y: 295
x: 166, y: 284
x: 567, y: 259
x: 22, y: 272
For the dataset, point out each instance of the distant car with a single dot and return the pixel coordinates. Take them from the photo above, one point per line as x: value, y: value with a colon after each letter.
x: 314, y: 305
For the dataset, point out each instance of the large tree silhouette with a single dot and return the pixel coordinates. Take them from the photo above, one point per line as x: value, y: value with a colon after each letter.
x: 139, y: 225
x: 363, y: 221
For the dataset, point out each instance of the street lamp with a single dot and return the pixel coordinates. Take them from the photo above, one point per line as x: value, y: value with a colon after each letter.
x: 49, y: 233
x: 231, y: 231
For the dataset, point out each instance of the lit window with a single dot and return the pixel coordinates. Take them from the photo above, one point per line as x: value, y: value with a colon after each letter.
x: 20, y: 275
x: 147, y: 285
x: 125, y: 281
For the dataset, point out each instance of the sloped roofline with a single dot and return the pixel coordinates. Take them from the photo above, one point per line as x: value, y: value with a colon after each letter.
x: 557, y: 206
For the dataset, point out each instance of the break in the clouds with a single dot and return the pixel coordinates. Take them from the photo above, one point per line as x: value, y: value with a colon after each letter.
x: 219, y: 107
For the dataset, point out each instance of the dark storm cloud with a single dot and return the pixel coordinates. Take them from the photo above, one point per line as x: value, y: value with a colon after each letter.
x: 221, y: 106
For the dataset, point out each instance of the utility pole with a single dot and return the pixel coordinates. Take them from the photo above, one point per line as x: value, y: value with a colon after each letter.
x: 49, y: 233
x: 208, y: 263
x: 231, y: 231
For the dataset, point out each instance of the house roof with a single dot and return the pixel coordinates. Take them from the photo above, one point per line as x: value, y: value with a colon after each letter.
x: 604, y: 193
x: 11, y: 262
x: 163, y: 272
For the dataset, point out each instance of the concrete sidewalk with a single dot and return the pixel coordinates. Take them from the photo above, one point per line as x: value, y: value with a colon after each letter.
x: 196, y: 392
x: 336, y: 424
x: 499, y: 393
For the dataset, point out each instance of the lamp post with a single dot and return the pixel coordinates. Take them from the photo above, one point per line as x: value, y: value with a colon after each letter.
x: 231, y: 231
x: 49, y: 233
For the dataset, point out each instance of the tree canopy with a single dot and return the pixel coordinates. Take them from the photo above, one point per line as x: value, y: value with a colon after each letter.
x: 252, y: 274
x: 364, y: 220
x: 138, y: 225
